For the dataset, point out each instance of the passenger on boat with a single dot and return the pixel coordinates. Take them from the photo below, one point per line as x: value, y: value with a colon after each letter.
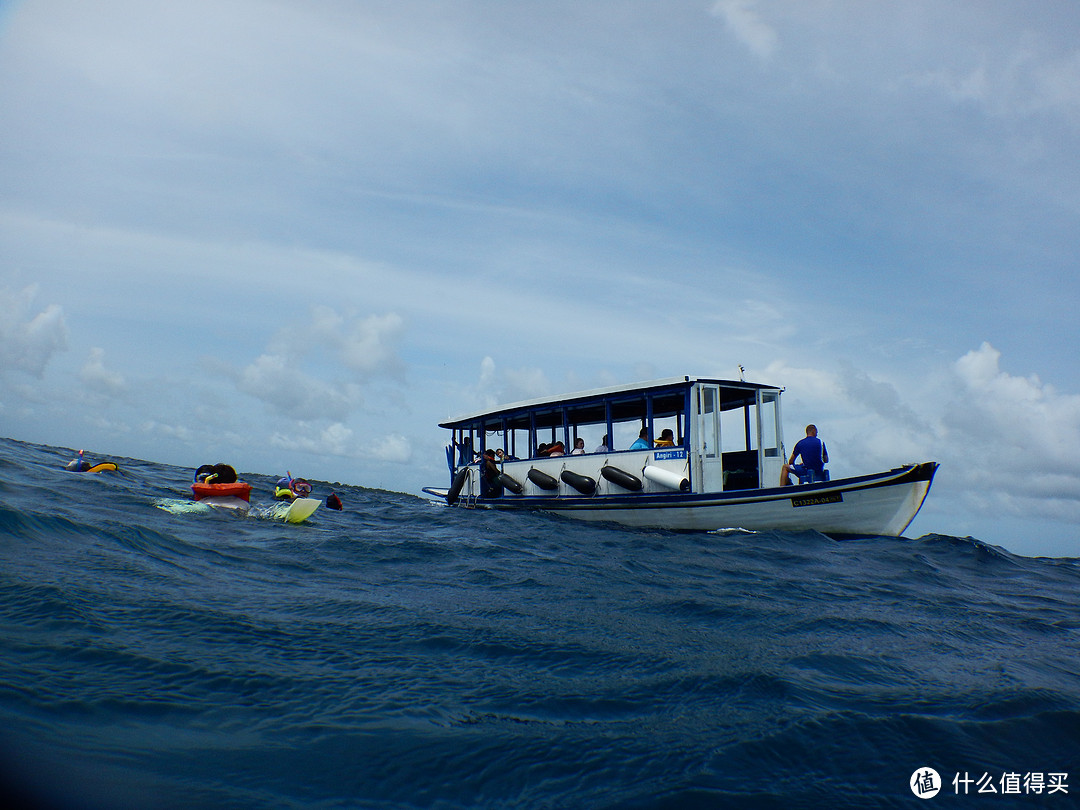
x: 501, y: 456
x: 553, y: 449
x: 667, y: 438
x: 814, y: 458
x: 579, y: 447
x: 492, y: 485
x: 465, y: 452
x: 603, y: 447
x: 642, y: 441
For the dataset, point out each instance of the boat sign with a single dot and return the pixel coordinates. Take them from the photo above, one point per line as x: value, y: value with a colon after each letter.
x: 668, y: 455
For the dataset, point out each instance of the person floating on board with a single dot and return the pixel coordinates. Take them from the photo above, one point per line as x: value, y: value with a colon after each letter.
x: 814, y: 458
x: 333, y: 501
x: 215, y: 474
x: 78, y: 464
x: 289, y: 488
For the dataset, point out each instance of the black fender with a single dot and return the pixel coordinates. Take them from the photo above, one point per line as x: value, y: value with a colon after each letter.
x: 543, y: 480
x: 455, y: 488
x: 621, y: 477
x: 582, y: 483
x: 511, y: 483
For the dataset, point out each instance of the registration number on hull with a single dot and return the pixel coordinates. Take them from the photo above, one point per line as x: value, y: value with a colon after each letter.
x: 818, y: 500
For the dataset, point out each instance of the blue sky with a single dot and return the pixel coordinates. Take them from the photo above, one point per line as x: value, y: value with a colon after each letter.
x: 296, y: 235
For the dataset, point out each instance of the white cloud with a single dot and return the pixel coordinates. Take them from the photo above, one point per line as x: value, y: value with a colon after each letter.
x: 97, y: 378
x: 393, y: 448
x: 277, y: 381
x: 28, y: 341
x: 525, y: 383
x: 333, y: 440
x: 1017, y: 430
x: 339, y: 440
x: 498, y: 387
x: 154, y: 428
x: 312, y: 370
x: 747, y: 25
x: 367, y: 345
x: 1015, y: 79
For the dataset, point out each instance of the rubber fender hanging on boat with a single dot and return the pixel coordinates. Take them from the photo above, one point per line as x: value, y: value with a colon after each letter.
x: 543, y: 480
x: 582, y: 483
x: 510, y: 483
x: 460, y: 478
x: 666, y: 478
x: 621, y: 477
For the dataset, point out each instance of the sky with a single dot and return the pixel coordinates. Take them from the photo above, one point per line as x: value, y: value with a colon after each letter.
x: 297, y: 234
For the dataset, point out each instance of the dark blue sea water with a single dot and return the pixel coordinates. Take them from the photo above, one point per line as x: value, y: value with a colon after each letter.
x: 401, y: 654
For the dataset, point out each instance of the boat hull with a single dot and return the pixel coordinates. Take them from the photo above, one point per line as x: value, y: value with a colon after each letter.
x: 880, y: 504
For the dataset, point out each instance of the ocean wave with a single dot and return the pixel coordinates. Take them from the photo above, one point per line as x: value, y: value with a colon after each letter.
x: 395, y: 655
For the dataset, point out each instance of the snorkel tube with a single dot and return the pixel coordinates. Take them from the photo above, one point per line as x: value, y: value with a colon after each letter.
x: 78, y: 464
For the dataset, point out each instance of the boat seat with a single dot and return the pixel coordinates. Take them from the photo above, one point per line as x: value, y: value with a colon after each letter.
x: 812, y: 477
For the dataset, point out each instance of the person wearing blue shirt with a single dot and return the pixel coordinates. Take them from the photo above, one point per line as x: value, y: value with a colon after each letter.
x: 642, y: 441
x: 814, y: 458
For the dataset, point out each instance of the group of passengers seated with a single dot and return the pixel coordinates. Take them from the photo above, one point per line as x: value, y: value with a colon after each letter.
x: 557, y: 448
x: 666, y: 439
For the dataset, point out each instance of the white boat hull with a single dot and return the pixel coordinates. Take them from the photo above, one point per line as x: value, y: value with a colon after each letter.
x: 880, y: 504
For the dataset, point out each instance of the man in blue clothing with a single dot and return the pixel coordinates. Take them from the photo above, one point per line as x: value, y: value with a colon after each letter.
x: 642, y: 441
x: 814, y: 458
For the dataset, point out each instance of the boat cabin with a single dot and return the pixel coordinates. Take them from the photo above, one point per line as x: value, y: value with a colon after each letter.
x: 725, y: 435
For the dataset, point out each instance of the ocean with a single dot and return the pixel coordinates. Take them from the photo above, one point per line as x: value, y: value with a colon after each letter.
x: 403, y: 654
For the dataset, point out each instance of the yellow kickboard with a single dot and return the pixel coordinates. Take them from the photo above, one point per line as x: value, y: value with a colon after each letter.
x: 301, y: 509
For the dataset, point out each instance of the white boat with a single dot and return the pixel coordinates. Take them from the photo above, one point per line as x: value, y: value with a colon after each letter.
x: 722, y: 472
